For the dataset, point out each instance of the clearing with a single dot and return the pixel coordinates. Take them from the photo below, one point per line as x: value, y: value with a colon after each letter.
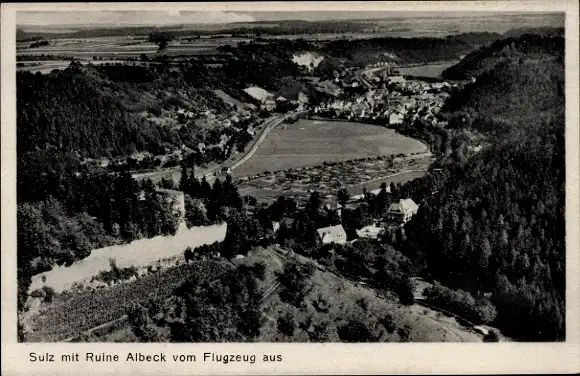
x: 426, y: 70
x: 310, y: 142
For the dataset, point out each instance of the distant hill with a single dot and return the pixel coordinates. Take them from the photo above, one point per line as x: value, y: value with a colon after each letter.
x: 476, y: 39
x: 405, y: 50
x: 485, y: 58
x: 543, y: 31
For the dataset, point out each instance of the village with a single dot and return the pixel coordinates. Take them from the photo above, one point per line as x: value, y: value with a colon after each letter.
x: 391, y: 101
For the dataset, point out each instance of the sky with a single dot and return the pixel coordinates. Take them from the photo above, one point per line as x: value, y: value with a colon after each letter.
x: 173, y: 17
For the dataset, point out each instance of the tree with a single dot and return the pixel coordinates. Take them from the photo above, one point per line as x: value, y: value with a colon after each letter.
x: 404, y: 333
x: 184, y: 184
x: 295, y: 284
x: 343, y: 196
x: 241, y: 234
x: 188, y: 254
x: 161, y: 39
x: 320, y: 331
x: 388, y: 323
x: 406, y: 292
x: 142, y: 325
x: 287, y: 324
x: 355, y: 331
x: 195, y: 212
x: 312, y: 209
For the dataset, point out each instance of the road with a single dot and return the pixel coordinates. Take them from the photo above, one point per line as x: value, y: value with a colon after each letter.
x: 271, y: 124
x: 210, y: 173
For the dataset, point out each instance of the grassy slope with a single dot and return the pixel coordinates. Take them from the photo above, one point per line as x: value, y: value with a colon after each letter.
x: 343, y: 297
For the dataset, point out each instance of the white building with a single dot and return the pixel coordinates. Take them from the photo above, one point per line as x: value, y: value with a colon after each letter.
x: 332, y: 234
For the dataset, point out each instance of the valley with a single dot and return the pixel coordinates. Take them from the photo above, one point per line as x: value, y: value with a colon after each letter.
x: 290, y: 182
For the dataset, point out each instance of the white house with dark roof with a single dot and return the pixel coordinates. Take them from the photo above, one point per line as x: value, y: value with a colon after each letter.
x: 402, y: 211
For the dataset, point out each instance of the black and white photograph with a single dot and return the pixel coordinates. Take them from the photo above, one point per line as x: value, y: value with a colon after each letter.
x: 187, y: 176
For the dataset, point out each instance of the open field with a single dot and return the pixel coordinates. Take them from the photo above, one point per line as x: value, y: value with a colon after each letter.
x: 124, y: 47
x: 310, y: 142
x: 427, y: 70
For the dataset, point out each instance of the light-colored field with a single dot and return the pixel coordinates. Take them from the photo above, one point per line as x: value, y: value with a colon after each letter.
x: 123, y: 47
x: 311, y: 142
x: 428, y: 70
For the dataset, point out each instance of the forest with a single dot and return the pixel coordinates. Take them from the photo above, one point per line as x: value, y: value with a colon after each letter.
x: 526, y: 47
x: 497, y: 225
x: 405, y: 50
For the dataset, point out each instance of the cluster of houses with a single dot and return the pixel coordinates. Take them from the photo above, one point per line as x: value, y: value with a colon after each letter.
x: 397, y: 215
x: 392, y: 106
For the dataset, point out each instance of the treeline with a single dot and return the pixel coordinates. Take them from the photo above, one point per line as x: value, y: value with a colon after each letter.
x: 479, y: 311
x: 415, y: 50
x: 477, y: 38
x: 82, y: 212
x: 541, y: 30
x: 265, y: 64
x: 527, y: 47
x: 514, y: 91
x: 206, y: 204
x: 96, y: 111
x: 71, y: 111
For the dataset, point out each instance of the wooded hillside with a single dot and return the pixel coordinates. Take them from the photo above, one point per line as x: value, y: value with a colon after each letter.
x: 498, y: 225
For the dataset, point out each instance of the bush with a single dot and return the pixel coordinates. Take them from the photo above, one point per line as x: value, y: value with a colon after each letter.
x: 461, y: 303
x: 363, y: 303
x: 355, y: 331
x: 38, y: 293
x: 320, y: 332
x: 287, y: 324
x: 260, y: 270
x: 321, y: 304
x: 48, y: 293
x: 388, y: 323
x: 492, y: 336
x: 406, y: 292
x: 295, y: 284
x: 404, y: 333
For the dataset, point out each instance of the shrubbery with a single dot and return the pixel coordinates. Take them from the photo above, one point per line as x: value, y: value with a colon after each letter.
x: 461, y: 303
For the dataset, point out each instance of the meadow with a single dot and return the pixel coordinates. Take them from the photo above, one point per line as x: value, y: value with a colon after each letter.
x: 311, y: 142
x: 427, y: 70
